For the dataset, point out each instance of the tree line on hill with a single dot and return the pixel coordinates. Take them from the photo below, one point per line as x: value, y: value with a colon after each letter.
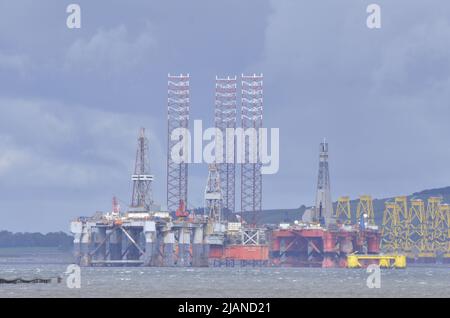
x: 53, y: 239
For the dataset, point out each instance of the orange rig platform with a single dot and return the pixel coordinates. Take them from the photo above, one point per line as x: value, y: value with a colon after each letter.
x: 240, y: 247
x: 239, y: 255
x: 320, y: 247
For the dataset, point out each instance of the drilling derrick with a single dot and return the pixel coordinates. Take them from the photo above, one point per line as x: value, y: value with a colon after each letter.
x: 225, y: 117
x: 365, y: 209
x: 343, y: 211
x: 324, y: 205
x: 178, y: 118
x: 142, y: 179
x: 251, y: 177
x: 213, y: 194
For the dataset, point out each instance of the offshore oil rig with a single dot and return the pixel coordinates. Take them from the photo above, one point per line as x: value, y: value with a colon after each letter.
x: 326, y: 236
x: 218, y: 235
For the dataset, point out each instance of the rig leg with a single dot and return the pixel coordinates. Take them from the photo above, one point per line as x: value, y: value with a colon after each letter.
x: 150, y: 255
x: 329, y: 250
x: 100, y: 243
x: 199, y: 249
x: 184, y: 243
x: 169, y: 240
x: 134, y: 239
x: 85, y: 245
x: 115, y: 244
x: 76, y: 227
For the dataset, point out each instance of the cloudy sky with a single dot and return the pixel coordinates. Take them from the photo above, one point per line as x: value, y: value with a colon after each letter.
x: 72, y: 101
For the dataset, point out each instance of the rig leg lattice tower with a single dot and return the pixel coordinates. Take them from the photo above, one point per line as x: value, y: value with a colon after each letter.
x: 251, y: 117
x: 225, y: 118
x: 178, y: 118
x: 213, y: 194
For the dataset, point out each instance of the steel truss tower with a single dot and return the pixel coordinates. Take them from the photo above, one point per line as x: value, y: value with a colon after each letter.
x: 391, y: 226
x: 343, y: 210
x: 404, y: 226
x: 142, y: 179
x: 397, y: 225
x: 225, y: 117
x: 324, y: 205
x: 177, y: 117
x: 447, y: 247
x: 213, y: 194
x: 251, y: 117
x: 434, y: 221
x: 417, y: 232
x: 365, y: 208
x: 440, y: 229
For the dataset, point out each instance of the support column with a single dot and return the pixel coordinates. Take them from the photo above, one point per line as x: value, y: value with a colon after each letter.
x: 345, y: 248
x: 283, y: 251
x: 184, y: 242
x: 133, y: 252
x: 169, y: 240
x: 315, y: 252
x: 151, y: 246
x: 373, y: 243
x: 206, y: 254
x: 99, y: 243
x: 115, y: 244
x: 329, y: 250
x: 200, y: 249
x: 85, y: 245
x: 76, y: 228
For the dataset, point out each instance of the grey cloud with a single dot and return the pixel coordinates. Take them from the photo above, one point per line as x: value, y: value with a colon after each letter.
x: 58, y: 159
x: 43, y: 141
x: 14, y: 62
x: 380, y: 96
x: 417, y: 61
x: 111, y: 50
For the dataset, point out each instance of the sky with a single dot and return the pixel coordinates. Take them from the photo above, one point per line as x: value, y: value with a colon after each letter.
x: 72, y: 100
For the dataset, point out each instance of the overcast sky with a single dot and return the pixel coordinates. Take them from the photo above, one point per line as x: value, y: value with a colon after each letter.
x: 72, y: 101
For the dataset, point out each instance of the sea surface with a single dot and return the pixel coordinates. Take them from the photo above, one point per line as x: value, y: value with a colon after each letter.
x: 415, y: 281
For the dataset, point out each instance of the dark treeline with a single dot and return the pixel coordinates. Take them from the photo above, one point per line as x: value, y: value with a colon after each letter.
x: 52, y: 239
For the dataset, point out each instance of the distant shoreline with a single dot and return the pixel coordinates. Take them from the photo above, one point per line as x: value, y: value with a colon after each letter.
x: 59, y: 240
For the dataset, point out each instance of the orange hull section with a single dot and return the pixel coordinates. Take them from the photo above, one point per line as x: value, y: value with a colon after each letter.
x: 215, y: 251
x: 241, y: 252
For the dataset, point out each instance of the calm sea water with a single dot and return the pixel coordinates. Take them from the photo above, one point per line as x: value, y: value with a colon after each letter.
x: 429, y: 281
